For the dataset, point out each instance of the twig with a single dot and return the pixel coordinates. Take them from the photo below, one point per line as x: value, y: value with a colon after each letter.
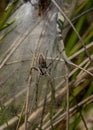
x: 18, y: 61
x: 21, y: 115
x: 77, y: 17
x: 89, y: 46
x: 67, y: 121
x: 80, y: 112
x: 81, y: 68
x: 86, y: 65
x: 36, y: 114
x: 71, y: 63
x: 45, y: 100
x: 28, y: 91
x: 35, y: 56
x: 62, y: 12
x: 83, y: 119
x: 72, y: 111
x: 69, y: 58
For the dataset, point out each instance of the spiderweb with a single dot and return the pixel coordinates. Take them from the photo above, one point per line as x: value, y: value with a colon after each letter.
x: 20, y: 49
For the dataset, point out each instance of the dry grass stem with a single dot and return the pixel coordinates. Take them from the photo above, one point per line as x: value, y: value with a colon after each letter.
x: 63, y: 14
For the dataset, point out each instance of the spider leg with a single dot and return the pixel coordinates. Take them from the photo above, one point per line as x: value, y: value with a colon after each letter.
x: 37, y: 90
x: 34, y: 68
x: 52, y: 61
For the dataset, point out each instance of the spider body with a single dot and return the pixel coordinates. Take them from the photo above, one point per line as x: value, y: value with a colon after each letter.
x: 42, y: 64
x: 42, y: 61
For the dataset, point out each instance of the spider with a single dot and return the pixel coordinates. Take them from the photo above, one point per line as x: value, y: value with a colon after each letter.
x: 42, y: 68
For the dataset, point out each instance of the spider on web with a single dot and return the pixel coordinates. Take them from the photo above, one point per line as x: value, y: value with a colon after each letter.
x: 43, y: 71
x: 42, y: 67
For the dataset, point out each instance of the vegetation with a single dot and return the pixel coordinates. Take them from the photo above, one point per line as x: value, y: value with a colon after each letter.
x: 69, y: 105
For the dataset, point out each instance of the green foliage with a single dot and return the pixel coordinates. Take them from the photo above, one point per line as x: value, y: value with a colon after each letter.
x: 7, y: 25
x: 73, y: 45
x: 6, y: 113
x: 7, y: 14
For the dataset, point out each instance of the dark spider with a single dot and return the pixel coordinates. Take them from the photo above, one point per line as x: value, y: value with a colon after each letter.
x: 42, y: 67
x: 42, y: 64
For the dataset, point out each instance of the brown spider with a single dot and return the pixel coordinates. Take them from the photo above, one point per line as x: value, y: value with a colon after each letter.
x: 42, y: 64
x: 42, y: 67
x: 44, y: 70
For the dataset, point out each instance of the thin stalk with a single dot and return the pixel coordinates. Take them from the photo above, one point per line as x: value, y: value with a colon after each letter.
x: 64, y: 15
